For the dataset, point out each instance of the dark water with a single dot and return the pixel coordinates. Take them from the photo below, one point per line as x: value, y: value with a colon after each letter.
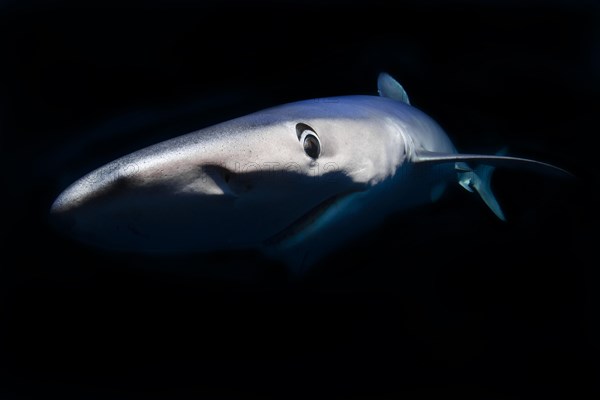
x: 442, y: 301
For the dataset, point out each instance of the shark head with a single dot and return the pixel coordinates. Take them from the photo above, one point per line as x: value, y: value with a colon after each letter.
x: 238, y: 184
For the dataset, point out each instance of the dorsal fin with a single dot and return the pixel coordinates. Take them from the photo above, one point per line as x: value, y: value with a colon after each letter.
x: 389, y: 87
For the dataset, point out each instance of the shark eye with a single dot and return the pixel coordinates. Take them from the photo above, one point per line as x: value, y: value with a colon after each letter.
x: 309, y: 140
x: 311, y: 144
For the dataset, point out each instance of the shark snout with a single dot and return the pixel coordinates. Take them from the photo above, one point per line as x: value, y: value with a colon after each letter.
x: 158, y: 206
x: 71, y: 198
x: 68, y: 210
x: 100, y: 184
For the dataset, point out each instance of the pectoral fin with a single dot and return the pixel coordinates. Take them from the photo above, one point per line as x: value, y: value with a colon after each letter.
x: 479, y: 179
x: 428, y: 157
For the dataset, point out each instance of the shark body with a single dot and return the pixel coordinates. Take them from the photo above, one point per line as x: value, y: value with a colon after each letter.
x: 296, y: 180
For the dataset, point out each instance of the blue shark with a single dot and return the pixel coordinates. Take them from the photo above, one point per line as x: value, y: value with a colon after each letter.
x: 296, y: 181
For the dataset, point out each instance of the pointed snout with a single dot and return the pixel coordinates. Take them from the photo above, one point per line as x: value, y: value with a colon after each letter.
x: 87, y: 199
x: 124, y: 205
x: 62, y: 208
x: 71, y: 198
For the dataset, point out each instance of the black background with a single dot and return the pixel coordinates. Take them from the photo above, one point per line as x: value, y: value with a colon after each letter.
x: 441, y: 301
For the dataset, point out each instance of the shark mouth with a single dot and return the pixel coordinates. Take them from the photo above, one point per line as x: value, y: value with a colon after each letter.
x: 307, y: 219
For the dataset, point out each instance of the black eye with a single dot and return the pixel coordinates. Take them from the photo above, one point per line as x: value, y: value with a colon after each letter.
x: 311, y: 144
x: 309, y: 140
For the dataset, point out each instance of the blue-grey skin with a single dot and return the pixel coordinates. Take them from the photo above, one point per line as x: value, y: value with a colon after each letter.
x: 251, y: 183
